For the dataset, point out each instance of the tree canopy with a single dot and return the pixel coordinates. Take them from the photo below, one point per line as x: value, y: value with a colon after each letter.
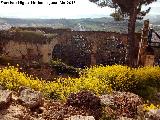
x: 126, y: 7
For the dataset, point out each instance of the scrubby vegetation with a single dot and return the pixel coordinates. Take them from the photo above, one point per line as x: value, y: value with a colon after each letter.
x: 62, y: 68
x: 85, y: 93
x: 12, y: 79
x: 32, y: 36
x: 142, y: 81
x: 99, y: 79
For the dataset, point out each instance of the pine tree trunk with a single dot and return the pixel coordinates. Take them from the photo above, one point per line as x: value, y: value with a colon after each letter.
x: 131, y: 39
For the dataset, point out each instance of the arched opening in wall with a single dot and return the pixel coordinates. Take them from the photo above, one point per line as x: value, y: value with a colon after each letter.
x: 62, y: 52
x: 81, y: 51
x: 111, y: 51
x: 76, y: 53
x: 1, y: 49
x: 57, y: 51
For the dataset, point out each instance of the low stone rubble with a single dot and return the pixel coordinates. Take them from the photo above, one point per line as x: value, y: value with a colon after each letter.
x: 153, y: 114
x: 28, y: 104
x: 121, y: 104
x: 30, y: 98
x: 5, y: 98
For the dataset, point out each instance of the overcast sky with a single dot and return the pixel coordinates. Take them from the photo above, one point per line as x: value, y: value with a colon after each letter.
x: 79, y: 9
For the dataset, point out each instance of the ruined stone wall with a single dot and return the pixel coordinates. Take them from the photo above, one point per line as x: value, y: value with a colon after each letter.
x: 46, y: 50
x: 28, y: 45
x: 35, y: 52
x: 15, y: 49
x: 88, y: 47
x: 94, y: 45
x: 101, y: 41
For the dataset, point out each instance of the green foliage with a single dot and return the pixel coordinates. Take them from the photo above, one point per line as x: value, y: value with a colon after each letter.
x: 117, y: 16
x: 33, y: 36
x: 125, y: 7
x: 62, y: 68
x: 147, y: 92
x: 30, y: 35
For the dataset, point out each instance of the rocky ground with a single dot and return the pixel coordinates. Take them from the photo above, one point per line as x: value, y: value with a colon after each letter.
x: 27, y: 104
x: 30, y: 105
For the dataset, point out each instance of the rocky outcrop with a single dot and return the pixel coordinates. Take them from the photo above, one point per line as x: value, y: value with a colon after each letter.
x: 88, y: 101
x: 107, y: 100
x: 30, y: 105
x: 29, y: 98
x: 14, y: 106
x: 153, y: 114
x: 121, y: 103
x: 15, y: 112
x: 5, y: 98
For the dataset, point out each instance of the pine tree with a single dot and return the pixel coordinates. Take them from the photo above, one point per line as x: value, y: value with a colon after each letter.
x: 132, y: 10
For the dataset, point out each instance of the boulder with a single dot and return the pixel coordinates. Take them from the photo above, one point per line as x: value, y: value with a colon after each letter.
x: 30, y: 98
x: 153, y: 114
x: 107, y: 100
x: 88, y: 101
x: 121, y: 103
x: 5, y: 98
x: 80, y: 117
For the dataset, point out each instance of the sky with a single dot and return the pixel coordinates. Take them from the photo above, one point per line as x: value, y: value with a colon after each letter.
x: 77, y: 9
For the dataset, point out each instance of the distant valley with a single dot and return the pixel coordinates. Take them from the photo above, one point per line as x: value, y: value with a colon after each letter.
x: 84, y: 24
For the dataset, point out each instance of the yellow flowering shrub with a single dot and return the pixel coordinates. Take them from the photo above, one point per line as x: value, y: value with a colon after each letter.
x: 98, y: 79
x: 12, y: 79
x: 143, y: 81
x: 148, y: 75
x: 119, y: 77
x: 148, y: 107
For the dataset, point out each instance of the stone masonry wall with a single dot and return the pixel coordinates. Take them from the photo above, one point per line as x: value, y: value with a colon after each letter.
x: 16, y: 49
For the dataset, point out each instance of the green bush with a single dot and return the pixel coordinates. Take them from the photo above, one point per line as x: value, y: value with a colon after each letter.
x: 62, y: 68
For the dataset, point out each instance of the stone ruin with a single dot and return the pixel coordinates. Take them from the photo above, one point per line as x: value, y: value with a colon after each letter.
x: 77, y: 48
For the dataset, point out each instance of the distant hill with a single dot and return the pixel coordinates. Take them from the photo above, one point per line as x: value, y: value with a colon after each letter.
x: 85, y: 24
x: 154, y: 19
